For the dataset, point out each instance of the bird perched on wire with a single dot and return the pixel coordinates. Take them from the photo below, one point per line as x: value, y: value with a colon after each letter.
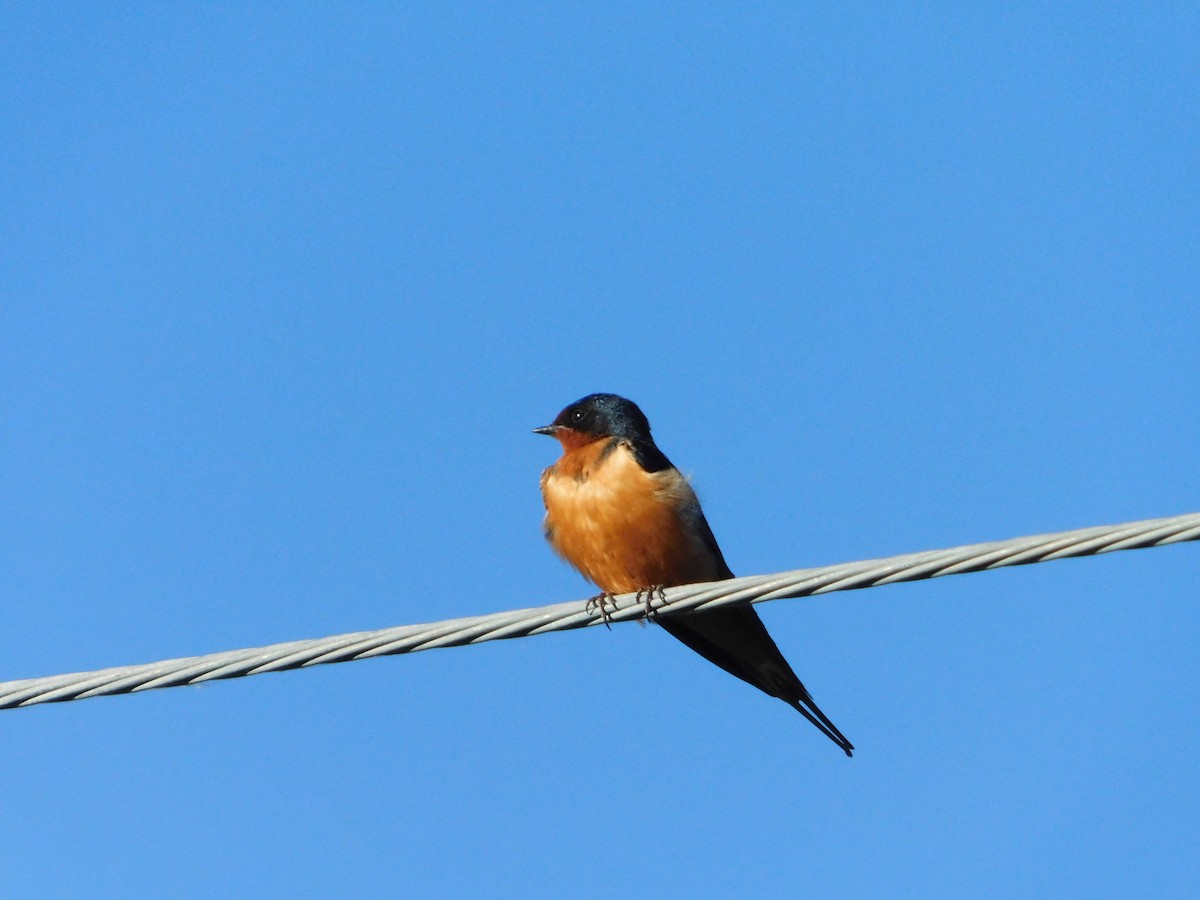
x: 620, y: 513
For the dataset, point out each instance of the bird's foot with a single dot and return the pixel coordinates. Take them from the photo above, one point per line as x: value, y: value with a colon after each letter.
x: 650, y: 593
x: 600, y: 603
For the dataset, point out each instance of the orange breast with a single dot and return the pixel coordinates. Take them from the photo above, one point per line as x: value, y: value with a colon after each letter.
x: 620, y: 525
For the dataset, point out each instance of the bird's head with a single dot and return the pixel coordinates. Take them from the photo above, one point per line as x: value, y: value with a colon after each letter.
x: 598, y: 416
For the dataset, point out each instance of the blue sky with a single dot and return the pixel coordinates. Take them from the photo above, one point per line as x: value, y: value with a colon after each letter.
x: 286, y: 288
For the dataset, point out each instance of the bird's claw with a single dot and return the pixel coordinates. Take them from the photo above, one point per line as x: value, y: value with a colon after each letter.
x: 650, y: 593
x: 600, y: 603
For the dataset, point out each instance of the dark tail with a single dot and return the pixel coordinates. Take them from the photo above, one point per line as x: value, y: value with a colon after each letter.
x: 735, y: 639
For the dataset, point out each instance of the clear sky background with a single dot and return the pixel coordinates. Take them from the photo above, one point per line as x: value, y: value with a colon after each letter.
x: 285, y: 290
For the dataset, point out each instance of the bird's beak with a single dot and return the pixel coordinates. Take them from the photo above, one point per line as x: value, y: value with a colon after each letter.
x: 551, y: 430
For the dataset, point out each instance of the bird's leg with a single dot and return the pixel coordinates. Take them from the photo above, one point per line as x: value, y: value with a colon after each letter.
x: 655, y: 590
x: 600, y: 604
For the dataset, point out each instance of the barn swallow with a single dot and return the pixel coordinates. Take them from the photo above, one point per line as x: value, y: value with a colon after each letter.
x: 620, y: 513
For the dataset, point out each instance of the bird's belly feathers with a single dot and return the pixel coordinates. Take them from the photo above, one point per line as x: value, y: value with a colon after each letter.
x: 620, y: 525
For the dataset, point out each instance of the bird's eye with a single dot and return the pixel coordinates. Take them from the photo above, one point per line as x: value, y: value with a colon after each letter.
x: 577, y: 415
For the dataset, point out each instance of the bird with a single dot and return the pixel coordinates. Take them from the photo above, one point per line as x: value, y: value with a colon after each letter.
x: 629, y: 522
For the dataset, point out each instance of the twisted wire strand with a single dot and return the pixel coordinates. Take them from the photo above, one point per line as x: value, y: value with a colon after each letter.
x: 627, y: 607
